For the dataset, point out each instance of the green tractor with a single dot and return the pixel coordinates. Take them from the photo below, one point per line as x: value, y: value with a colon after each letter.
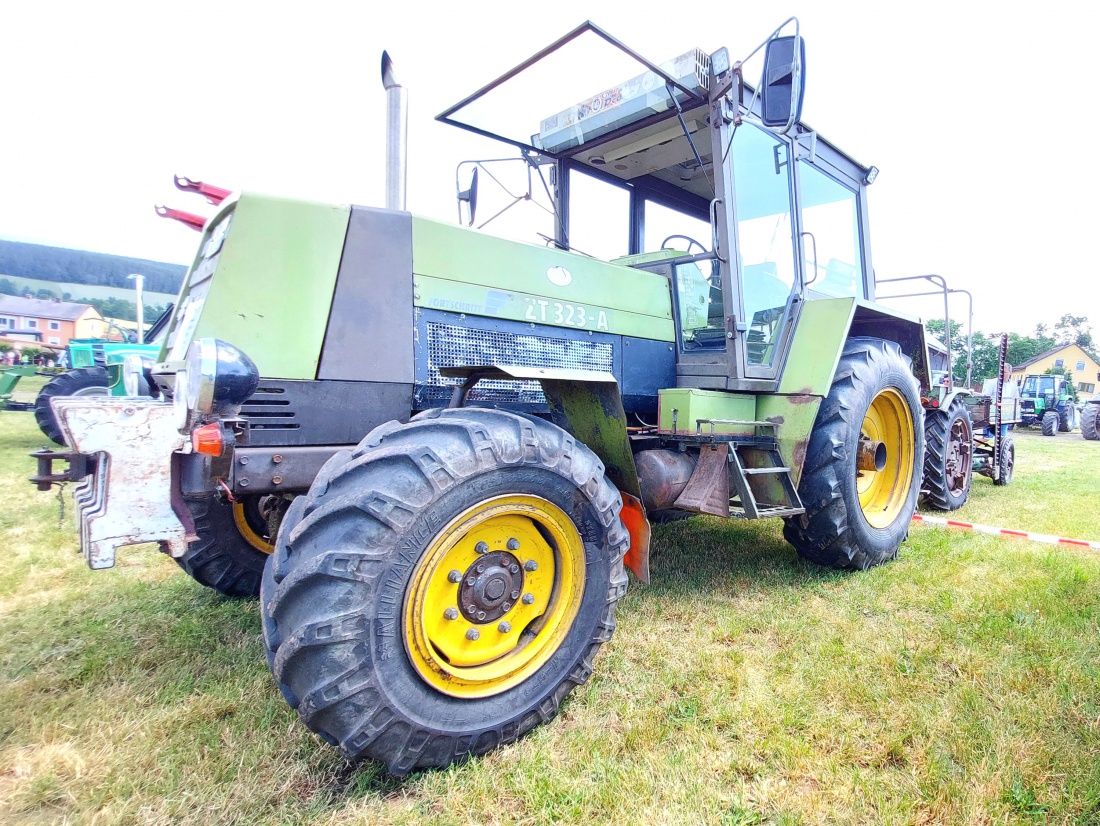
x: 1048, y: 400
x: 436, y: 453
x: 95, y: 369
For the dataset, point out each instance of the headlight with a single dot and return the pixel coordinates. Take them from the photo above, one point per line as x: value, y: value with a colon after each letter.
x: 220, y: 378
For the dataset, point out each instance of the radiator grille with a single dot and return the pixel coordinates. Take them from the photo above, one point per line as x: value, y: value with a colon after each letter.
x: 449, y: 346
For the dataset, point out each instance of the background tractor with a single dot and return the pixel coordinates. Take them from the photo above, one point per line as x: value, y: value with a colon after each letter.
x: 1089, y: 425
x: 1047, y: 400
x: 437, y: 451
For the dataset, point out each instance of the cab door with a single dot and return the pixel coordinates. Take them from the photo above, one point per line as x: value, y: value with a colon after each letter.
x: 767, y: 263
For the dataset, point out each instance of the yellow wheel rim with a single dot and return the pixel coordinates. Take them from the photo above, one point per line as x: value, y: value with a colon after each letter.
x: 475, y: 633
x: 250, y: 534
x: 883, y: 494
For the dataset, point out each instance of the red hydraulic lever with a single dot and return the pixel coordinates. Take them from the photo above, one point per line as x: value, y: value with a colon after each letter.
x: 214, y: 194
x: 196, y: 222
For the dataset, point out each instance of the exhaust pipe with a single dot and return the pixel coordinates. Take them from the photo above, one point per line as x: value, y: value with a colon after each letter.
x: 397, y: 120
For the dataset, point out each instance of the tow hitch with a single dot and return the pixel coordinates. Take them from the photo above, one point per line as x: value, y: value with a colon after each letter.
x: 46, y: 478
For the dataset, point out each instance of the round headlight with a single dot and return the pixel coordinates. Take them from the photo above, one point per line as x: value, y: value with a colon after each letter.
x: 220, y: 378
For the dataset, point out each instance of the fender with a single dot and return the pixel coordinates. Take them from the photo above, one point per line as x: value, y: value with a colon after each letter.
x: 588, y: 405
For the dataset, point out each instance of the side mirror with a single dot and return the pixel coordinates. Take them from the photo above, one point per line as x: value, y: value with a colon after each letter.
x: 784, y: 81
x: 468, y: 196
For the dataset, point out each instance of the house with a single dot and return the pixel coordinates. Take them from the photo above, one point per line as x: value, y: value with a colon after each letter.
x: 1068, y: 357
x: 48, y: 323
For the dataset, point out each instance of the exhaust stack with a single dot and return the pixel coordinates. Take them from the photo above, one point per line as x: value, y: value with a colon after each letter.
x: 397, y: 118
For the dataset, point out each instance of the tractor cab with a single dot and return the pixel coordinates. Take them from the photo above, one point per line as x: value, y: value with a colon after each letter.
x: 698, y: 176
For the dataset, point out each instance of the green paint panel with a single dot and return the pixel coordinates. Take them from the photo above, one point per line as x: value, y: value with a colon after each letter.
x: 692, y: 404
x: 474, y: 299
x: 794, y: 418
x: 815, y: 350
x: 497, y: 266
x: 278, y: 266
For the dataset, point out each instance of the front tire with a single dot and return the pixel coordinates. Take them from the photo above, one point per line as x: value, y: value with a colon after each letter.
x: 83, y: 381
x: 948, y: 456
x: 235, y: 541
x: 855, y: 519
x: 1050, y: 423
x: 383, y: 630
x: 1008, y: 461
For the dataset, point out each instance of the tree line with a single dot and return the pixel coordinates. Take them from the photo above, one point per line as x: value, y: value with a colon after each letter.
x: 23, y: 260
x: 107, y: 307
x: 1069, y: 329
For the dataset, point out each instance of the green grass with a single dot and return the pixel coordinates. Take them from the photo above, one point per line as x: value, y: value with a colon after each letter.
x: 959, y: 684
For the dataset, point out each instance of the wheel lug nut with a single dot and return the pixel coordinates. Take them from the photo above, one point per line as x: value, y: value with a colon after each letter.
x: 481, y: 548
x: 454, y: 576
x: 472, y: 634
x: 451, y: 613
x: 514, y: 568
x: 528, y: 599
x: 530, y: 565
x: 506, y: 607
x: 513, y: 544
x: 481, y: 615
x: 471, y: 581
x: 504, y: 627
x: 481, y: 569
x: 470, y: 609
x: 515, y: 594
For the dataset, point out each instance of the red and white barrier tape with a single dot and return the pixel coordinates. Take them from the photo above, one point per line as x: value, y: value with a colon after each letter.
x: 1034, y: 537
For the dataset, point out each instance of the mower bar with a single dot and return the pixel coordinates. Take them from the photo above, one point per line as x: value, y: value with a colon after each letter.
x: 196, y: 222
x: 213, y: 194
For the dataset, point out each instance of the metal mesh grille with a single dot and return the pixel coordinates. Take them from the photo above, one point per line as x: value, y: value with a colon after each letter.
x: 449, y: 346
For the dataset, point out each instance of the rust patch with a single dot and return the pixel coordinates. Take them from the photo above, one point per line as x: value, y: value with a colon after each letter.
x: 799, y: 455
x: 803, y: 397
x: 775, y: 419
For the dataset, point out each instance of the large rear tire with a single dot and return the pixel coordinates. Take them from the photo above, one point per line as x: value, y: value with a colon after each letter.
x: 1088, y: 422
x: 855, y: 519
x: 235, y: 540
x: 948, y: 456
x: 1050, y: 422
x: 442, y: 588
x: 83, y: 381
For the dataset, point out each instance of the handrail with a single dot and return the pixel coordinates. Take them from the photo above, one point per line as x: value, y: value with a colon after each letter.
x: 945, y: 291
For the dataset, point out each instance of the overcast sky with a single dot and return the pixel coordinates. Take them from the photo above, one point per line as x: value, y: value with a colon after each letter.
x: 977, y: 115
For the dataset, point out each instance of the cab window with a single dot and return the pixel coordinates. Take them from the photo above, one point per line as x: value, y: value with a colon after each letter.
x: 599, y: 217
x: 830, y: 214
x: 666, y: 227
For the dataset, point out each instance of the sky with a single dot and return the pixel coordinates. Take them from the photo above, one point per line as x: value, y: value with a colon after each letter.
x: 976, y: 114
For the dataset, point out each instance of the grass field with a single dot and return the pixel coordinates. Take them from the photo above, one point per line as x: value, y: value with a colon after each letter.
x: 959, y: 684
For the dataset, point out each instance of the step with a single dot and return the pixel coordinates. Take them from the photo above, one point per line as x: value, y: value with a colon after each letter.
x: 767, y: 512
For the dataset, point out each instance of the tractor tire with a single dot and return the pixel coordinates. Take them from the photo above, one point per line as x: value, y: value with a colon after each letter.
x: 1067, y: 418
x: 1008, y: 461
x: 381, y: 627
x: 948, y: 456
x: 83, y: 381
x: 1050, y: 423
x: 235, y: 540
x: 1088, y: 422
x: 856, y: 519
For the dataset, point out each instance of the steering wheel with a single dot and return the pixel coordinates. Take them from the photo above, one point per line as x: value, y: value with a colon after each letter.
x: 691, y: 242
